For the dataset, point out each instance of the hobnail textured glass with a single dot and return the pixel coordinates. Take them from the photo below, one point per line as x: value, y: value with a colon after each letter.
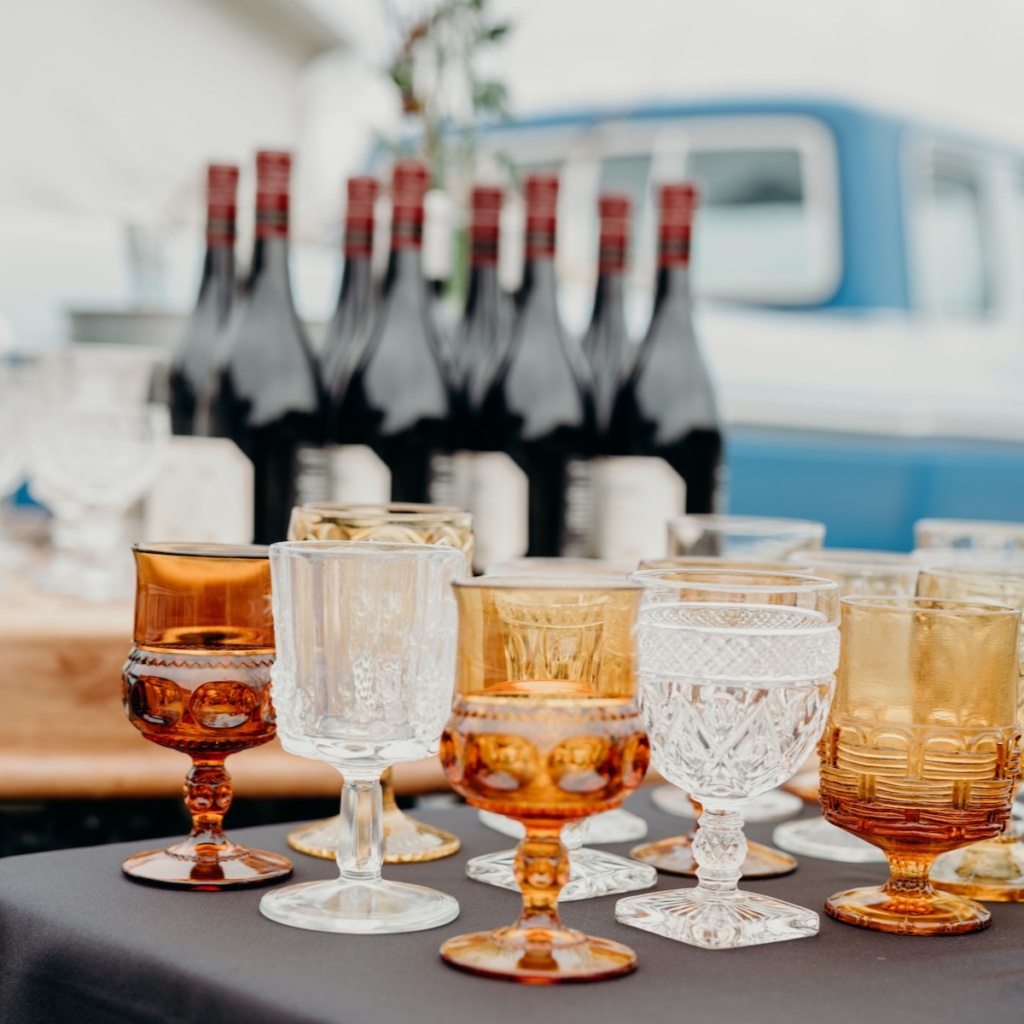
x: 198, y: 680
x: 921, y: 751
x: 992, y: 870
x: 363, y: 678
x: 736, y: 674
x: 544, y: 729
x: 406, y: 839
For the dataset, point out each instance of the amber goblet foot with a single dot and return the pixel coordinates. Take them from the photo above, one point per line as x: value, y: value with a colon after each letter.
x: 538, y: 948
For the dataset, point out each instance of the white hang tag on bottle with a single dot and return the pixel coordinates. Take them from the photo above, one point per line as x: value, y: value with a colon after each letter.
x: 496, y: 491
x: 204, y: 493
x: 634, y: 497
x: 358, y: 476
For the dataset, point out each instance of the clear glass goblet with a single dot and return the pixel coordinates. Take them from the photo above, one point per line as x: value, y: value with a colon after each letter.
x: 544, y: 729
x: 856, y: 571
x: 363, y: 678
x: 675, y: 854
x: 736, y: 675
x: 922, y: 749
x: 992, y: 870
x: 198, y: 680
x: 406, y: 839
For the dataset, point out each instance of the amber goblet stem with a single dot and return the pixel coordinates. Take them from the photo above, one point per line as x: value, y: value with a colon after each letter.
x: 361, y: 838
x: 208, y: 796
x: 908, y: 884
x: 541, y: 870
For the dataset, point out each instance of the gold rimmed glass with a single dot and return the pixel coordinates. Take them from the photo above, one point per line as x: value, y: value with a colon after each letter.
x: 198, y: 680
x: 406, y: 839
x: 921, y: 750
x: 993, y: 870
x: 545, y: 729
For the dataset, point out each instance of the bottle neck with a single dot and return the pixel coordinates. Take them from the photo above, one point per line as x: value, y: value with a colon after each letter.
x: 609, y: 295
x: 539, y: 282
x: 270, y: 262
x: 484, y: 291
x: 357, y: 277
x: 673, y: 284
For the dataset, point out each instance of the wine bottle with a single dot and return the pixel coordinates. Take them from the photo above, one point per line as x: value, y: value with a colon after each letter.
x: 606, y: 342
x: 391, y: 414
x: 191, y: 368
x: 538, y: 406
x: 268, y: 398
x: 356, y: 296
x: 665, y: 420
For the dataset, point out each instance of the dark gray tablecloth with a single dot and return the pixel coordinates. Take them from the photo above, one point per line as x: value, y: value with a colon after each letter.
x: 81, y: 943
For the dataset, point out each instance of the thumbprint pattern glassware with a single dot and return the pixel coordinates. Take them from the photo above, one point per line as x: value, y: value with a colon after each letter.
x: 921, y: 750
x: 406, y: 839
x: 736, y: 674
x: 198, y: 680
x: 993, y: 870
x: 544, y: 729
x: 366, y: 652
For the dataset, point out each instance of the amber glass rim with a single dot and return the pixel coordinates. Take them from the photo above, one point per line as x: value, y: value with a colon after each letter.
x: 185, y: 549
x: 982, y: 573
x: 729, y: 581
x: 564, y: 582
x: 368, y: 547
x: 684, y: 563
x: 937, y: 606
x: 394, y: 512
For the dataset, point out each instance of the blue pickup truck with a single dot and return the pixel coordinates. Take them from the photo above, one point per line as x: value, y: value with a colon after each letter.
x: 860, y: 283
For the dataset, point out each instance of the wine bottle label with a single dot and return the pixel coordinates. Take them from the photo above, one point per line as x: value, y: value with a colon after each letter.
x: 204, y: 493
x: 358, y: 476
x: 634, y: 497
x: 496, y: 491
x: 580, y: 508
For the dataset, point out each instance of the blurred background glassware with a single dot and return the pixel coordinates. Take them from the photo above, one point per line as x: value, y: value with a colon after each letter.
x: 735, y: 677
x: 406, y: 839
x: 545, y: 728
x: 198, y: 680
x: 922, y: 749
x: 865, y: 573
x: 366, y: 659
x: 751, y: 538
x: 615, y: 826
x: 992, y: 870
x: 13, y: 455
x: 96, y: 445
x: 675, y: 854
x: 969, y: 541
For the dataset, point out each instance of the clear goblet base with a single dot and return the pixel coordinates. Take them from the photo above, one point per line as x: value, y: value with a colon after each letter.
x: 992, y: 871
x: 675, y: 856
x: 515, y: 954
x: 616, y: 826
x: 406, y: 840
x: 591, y: 873
x: 715, y: 920
x: 933, y: 913
x: 770, y: 806
x: 359, y: 907
x: 206, y: 866
x: 816, y: 837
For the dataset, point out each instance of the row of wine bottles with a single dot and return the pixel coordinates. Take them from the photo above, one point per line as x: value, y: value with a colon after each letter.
x: 558, y: 447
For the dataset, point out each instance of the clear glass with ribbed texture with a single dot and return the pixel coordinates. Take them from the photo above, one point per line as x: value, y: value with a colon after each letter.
x: 406, y: 839
x: 363, y: 678
x: 736, y: 675
x: 544, y: 729
x: 921, y: 751
x: 992, y: 870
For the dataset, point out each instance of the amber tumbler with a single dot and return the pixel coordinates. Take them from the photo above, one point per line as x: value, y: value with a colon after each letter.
x: 198, y: 680
x: 920, y: 753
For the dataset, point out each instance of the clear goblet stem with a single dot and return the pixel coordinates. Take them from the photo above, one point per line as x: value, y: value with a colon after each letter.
x: 208, y: 796
x: 719, y: 847
x: 361, y: 838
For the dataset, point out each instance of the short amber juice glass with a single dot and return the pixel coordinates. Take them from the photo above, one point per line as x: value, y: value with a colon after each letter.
x: 197, y: 680
x: 920, y: 753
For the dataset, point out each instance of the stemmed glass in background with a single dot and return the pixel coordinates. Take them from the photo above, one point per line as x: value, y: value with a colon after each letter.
x: 363, y: 678
x: 736, y: 674
x: 405, y: 838
x: 971, y: 541
x: 992, y: 870
x: 197, y: 680
x: 545, y: 729
x: 13, y: 442
x: 921, y: 751
x: 857, y: 572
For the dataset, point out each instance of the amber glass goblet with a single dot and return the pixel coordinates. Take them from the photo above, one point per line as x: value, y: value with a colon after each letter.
x: 545, y: 729
x: 675, y: 854
x: 197, y: 680
x: 406, y: 839
x: 992, y: 870
x: 921, y: 750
